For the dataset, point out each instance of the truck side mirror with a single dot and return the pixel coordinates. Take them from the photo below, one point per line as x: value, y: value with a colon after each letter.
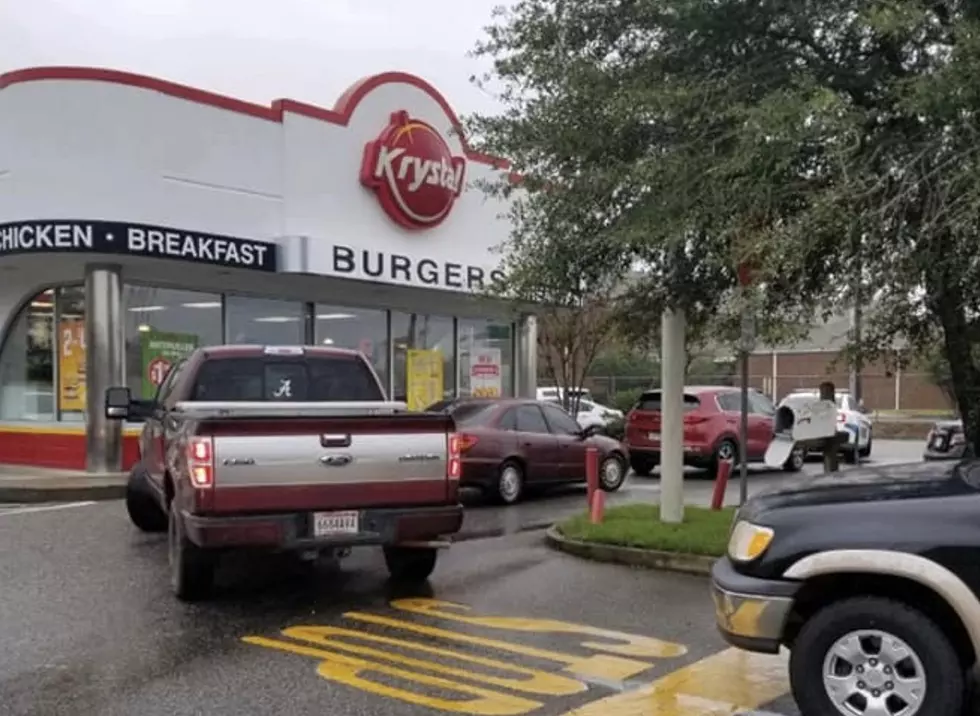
x: 117, y: 403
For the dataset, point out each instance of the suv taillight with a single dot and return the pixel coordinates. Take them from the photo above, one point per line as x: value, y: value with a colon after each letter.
x: 454, y: 463
x: 200, y: 461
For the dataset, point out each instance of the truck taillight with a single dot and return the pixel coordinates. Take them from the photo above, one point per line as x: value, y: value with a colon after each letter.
x: 200, y: 461
x: 841, y: 418
x: 454, y: 465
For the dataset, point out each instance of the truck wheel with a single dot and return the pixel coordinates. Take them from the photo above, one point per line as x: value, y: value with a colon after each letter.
x: 510, y: 483
x: 612, y: 473
x: 191, y: 568
x: 144, y: 512
x: 410, y: 564
x: 874, y: 655
x: 866, y: 450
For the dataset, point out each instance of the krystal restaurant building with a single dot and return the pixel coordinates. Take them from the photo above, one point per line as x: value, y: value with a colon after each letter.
x: 140, y: 219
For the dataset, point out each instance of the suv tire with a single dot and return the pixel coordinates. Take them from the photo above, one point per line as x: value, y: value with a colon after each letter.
x: 942, y: 672
x: 410, y: 564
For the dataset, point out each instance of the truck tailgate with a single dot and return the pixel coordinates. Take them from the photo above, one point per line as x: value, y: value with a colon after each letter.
x: 298, y: 464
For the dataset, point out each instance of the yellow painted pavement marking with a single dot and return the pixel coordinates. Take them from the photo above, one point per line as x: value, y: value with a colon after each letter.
x: 539, y: 682
x: 722, y: 684
x: 600, y: 666
x: 633, y: 644
x: 349, y: 671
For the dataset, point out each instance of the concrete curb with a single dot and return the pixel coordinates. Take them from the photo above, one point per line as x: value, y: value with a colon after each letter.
x: 648, y: 558
x: 83, y: 493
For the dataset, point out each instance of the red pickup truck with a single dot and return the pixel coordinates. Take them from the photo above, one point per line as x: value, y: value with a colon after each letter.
x: 291, y: 449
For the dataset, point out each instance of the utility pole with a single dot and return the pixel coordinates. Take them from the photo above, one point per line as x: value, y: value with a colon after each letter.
x: 747, y: 342
x: 672, y: 364
x: 831, y: 458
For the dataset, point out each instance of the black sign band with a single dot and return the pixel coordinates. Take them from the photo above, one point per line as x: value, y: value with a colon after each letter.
x: 75, y: 236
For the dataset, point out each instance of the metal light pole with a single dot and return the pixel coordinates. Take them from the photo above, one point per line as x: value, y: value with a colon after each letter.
x: 746, y: 346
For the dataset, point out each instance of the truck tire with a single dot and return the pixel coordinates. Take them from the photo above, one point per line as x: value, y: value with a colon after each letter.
x: 410, y: 564
x: 191, y: 568
x: 795, y: 461
x: 143, y: 509
x: 866, y: 450
x: 872, y: 631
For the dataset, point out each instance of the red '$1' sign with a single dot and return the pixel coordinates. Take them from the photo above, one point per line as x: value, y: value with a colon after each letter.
x: 413, y: 171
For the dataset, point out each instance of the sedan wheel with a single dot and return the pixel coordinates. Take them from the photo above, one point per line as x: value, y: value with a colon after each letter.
x: 510, y: 483
x: 612, y: 472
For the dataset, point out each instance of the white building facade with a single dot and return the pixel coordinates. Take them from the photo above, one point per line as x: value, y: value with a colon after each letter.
x: 140, y: 219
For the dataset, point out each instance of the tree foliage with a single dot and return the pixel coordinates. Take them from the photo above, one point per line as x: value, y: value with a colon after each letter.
x: 832, y: 145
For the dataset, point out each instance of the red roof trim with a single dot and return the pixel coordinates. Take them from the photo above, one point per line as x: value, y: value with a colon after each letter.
x: 340, y: 114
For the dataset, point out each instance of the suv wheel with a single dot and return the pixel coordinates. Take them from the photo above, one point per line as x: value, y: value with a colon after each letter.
x: 870, y: 655
x: 727, y: 450
x: 642, y: 466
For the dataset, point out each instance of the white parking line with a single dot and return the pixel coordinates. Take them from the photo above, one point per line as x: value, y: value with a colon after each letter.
x: 44, y: 508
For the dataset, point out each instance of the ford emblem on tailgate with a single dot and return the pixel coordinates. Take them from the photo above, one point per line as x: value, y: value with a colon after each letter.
x: 336, y: 460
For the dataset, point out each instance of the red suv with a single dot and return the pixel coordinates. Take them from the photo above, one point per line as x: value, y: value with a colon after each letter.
x: 711, y: 422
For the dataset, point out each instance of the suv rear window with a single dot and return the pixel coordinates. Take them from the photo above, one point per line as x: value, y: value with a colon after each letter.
x: 651, y: 402
x: 339, y: 378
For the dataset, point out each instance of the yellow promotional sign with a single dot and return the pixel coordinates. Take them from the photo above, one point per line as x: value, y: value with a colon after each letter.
x: 71, y: 365
x: 423, y: 373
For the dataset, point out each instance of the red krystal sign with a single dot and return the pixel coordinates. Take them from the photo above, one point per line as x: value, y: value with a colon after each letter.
x: 413, y: 171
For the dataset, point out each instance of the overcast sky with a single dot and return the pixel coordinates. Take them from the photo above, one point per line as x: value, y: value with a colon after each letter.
x: 259, y: 50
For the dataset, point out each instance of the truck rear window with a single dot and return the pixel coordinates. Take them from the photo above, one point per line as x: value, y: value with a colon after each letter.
x: 340, y: 378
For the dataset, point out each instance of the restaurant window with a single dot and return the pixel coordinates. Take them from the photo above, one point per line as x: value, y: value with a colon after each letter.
x: 70, y: 368
x: 359, y: 329
x: 424, y: 358
x: 264, y: 321
x: 486, y: 358
x: 162, y: 326
x: 27, y: 362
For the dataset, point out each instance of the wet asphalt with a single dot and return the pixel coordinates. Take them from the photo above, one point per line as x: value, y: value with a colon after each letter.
x: 88, y: 626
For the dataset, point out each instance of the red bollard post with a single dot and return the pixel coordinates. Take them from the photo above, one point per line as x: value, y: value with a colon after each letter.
x: 591, y: 473
x: 598, y: 507
x: 721, y: 483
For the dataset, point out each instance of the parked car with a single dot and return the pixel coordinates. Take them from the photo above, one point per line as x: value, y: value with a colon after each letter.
x: 509, y: 445
x: 946, y: 441
x: 711, y: 428
x: 591, y: 414
x: 852, y: 418
x: 553, y: 393
x: 288, y: 449
x: 870, y: 579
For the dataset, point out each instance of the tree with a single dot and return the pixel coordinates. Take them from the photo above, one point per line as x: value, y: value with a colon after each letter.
x: 832, y: 146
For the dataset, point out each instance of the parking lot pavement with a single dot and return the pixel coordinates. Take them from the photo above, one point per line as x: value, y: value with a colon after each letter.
x: 505, y: 626
x: 484, y: 518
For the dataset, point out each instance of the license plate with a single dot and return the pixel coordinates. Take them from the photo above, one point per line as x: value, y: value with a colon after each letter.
x: 336, y: 523
x: 653, y: 436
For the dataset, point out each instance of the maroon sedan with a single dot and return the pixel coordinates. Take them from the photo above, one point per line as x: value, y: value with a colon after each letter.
x: 509, y: 445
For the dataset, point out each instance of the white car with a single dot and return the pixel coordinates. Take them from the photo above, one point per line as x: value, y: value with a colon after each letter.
x: 852, y: 419
x: 591, y: 413
x: 555, y: 394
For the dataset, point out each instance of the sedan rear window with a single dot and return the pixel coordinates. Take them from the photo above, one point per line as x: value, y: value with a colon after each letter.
x: 650, y: 401
x: 339, y: 378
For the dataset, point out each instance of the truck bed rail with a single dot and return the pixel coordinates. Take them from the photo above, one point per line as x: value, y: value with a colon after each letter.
x: 200, y: 410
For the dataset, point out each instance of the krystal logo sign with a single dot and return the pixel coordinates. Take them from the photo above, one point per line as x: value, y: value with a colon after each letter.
x: 413, y: 171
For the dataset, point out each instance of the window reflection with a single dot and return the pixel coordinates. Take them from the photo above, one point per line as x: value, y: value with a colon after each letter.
x: 27, y: 363
x: 264, y: 321
x: 359, y: 329
x: 423, y: 347
x: 486, y: 358
x: 72, y: 382
x: 164, y: 325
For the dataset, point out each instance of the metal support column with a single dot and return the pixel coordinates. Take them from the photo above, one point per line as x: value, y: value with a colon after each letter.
x: 105, y: 365
x: 527, y: 357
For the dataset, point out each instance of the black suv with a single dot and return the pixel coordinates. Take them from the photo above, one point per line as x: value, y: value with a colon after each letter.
x: 870, y: 579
